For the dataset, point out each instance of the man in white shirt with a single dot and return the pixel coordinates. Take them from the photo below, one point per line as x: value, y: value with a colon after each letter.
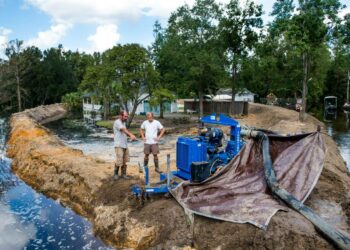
x: 121, y: 144
x: 149, y: 134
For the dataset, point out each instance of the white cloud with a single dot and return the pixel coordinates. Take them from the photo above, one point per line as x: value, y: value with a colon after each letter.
x: 106, y: 11
x: 3, y: 40
x: 343, y: 12
x: 4, y: 35
x: 106, y: 36
x: 13, y: 234
x: 89, y: 11
x: 51, y: 37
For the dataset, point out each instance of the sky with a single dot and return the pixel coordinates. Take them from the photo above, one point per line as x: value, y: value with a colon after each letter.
x: 91, y: 25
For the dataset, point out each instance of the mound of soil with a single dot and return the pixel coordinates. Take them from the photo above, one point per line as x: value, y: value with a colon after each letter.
x: 86, y: 185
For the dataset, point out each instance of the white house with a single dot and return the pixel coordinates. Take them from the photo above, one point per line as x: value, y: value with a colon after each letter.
x: 243, y: 95
x: 92, y: 111
x: 144, y: 106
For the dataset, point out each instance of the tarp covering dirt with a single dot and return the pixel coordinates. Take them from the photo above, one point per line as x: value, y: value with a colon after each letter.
x: 239, y: 192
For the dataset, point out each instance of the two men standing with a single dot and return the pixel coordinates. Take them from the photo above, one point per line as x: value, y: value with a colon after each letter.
x: 149, y: 134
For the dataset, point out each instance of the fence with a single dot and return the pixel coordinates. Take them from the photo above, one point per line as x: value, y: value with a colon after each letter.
x: 222, y: 107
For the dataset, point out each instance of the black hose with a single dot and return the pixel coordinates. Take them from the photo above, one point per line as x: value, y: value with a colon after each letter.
x: 341, y: 240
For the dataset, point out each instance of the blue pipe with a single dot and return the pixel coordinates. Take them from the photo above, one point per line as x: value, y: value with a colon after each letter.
x: 146, y: 175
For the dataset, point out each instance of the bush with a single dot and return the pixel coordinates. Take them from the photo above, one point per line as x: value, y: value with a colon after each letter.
x: 73, y: 101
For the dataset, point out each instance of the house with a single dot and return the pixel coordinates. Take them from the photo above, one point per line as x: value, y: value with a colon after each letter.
x: 92, y: 110
x: 144, y: 106
x: 242, y: 95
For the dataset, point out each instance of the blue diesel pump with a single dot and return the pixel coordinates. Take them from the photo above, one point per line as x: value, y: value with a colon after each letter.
x: 197, y: 158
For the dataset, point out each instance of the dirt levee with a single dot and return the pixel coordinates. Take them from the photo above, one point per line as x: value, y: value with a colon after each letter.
x: 86, y: 185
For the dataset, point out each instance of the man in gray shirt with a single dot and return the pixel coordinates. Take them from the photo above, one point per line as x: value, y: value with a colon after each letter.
x: 121, y: 145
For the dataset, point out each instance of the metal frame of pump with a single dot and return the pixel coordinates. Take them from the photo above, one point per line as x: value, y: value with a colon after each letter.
x: 199, y: 155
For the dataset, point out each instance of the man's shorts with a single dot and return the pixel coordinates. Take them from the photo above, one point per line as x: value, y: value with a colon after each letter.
x: 122, y: 156
x: 151, y: 149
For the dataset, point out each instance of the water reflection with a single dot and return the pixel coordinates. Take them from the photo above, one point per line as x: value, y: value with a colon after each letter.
x: 13, y: 233
x: 339, y: 130
x: 30, y: 220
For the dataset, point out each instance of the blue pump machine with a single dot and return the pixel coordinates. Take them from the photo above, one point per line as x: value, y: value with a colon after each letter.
x: 197, y: 157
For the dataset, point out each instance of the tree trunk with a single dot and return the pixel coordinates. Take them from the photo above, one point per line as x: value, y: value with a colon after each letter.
x: 132, y: 114
x: 105, y: 108
x: 200, y: 94
x: 302, y: 113
x: 18, y: 90
x: 234, y: 77
x: 161, y: 110
x: 126, y: 108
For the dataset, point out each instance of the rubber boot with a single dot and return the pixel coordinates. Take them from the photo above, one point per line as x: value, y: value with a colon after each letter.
x: 141, y: 168
x: 156, y: 167
x: 116, y: 170
x: 145, y: 163
x: 124, y: 176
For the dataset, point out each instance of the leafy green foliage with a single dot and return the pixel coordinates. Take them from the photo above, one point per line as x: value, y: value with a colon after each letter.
x: 304, y: 51
x: 43, y: 76
x: 73, y: 101
x: 190, y: 58
x: 238, y: 34
x: 159, y: 97
x: 120, y: 75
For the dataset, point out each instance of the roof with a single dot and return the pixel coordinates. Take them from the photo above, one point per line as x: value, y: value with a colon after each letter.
x: 222, y: 97
x: 242, y: 91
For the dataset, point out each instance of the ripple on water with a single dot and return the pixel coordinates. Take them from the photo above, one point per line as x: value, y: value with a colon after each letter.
x: 29, y: 220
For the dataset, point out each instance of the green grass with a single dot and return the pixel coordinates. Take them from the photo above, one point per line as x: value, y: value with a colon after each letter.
x: 105, y: 124
x: 109, y: 125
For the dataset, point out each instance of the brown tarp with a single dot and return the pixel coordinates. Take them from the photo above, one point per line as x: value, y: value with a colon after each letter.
x: 239, y: 192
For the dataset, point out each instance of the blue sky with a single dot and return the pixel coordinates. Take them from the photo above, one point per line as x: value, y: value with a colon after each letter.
x: 89, y: 25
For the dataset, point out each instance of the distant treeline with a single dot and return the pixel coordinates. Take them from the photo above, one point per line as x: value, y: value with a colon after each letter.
x: 303, y: 52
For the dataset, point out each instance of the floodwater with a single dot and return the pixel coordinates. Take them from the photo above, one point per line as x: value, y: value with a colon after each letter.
x: 97, y: 142
x: 29, y: 220
x: 339, y: 130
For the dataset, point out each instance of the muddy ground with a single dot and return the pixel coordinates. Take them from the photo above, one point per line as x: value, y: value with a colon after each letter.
x: 85, y: 184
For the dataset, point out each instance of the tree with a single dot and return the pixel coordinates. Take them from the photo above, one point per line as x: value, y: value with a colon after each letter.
x: 98, y: 81
x: 338, y: 72
x: 306, y: 31
x: 58, y: 75
x: 73, y: 101
x: 134, y: 74
x: 121, y: 73
x: 159, y: 97
x: 237, y: 30
x: 190, y: 56
x: 12, y: 51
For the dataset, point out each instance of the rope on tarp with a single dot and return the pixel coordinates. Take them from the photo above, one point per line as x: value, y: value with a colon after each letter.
x: 340, y: 239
